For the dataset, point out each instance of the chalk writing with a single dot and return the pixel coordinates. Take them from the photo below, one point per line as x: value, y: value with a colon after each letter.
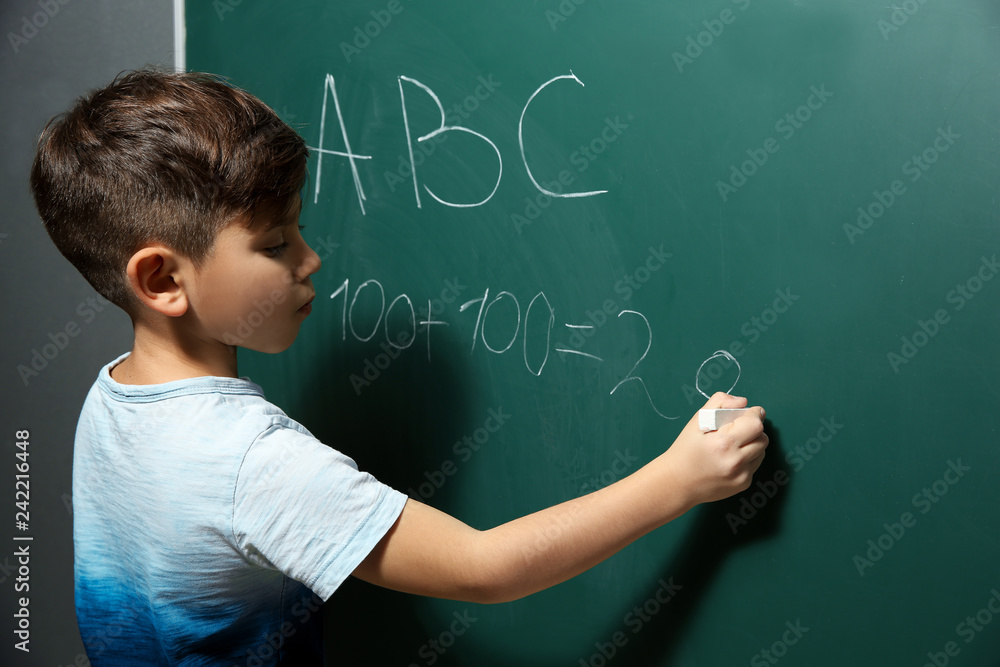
x: 502, y: 336
x: 330, y: 90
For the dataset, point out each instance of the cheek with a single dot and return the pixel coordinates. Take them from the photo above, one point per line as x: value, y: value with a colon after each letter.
x: 268, y: 294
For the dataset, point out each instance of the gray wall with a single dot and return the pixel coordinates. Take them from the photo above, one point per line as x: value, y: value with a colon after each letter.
x: 80, y: 45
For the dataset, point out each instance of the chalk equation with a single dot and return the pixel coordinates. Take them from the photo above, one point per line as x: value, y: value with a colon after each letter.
x: 410, y: 323
x: 443, y: 127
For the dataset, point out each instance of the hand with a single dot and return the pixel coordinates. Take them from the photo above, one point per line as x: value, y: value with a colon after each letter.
x: 717, y: 464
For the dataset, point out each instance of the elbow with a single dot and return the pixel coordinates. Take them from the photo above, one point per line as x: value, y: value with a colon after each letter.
x: 495, y: 592
x: 487, y: 591
x: 496, y: 576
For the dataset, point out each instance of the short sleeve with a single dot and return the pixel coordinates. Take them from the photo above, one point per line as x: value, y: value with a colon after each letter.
x: 304, y: 509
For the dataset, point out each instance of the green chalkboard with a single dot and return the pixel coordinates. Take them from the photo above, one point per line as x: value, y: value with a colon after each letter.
x: 607, y: 194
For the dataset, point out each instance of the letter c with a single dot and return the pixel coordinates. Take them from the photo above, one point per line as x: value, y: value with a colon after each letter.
x: 520, y: 141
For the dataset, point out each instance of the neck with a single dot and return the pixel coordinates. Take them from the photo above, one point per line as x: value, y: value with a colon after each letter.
x: 163, y: 354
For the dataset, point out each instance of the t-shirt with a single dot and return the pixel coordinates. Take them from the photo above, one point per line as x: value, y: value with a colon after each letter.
x: 208, y: 526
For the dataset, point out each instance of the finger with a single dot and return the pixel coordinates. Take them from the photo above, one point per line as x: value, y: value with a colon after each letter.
x: 755, y: 463
x: 749, y: 432
x: 723, y: 400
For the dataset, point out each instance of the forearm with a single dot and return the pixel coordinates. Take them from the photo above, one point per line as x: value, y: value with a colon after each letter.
x: 430, y: 553
x: 555, y: 544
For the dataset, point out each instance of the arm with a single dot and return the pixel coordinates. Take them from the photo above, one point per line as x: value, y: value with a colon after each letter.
x: 430, y: 553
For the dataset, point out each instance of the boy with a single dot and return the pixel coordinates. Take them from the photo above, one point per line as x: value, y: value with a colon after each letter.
x: 204, y: 518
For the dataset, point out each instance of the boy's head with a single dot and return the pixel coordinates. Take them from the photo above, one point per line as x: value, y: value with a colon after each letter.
x: 165, y: 158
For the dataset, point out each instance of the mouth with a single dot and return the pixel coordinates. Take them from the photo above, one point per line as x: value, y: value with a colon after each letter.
x: 307, y: 308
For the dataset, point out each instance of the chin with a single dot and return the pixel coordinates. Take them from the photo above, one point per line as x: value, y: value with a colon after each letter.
x: 272, y: 347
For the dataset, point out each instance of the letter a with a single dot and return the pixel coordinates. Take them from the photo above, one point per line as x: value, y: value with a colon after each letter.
x: 330, y: 86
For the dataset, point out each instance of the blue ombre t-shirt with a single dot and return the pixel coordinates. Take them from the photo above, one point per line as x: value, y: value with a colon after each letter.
x: 208, y: 526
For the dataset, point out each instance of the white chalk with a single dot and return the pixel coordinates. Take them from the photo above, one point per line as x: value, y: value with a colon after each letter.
x: 713, y: 419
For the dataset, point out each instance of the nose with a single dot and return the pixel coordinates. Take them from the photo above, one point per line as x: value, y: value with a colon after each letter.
x: 310, y: 263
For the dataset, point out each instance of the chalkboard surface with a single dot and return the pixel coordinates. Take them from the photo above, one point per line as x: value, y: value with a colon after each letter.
x: 605, y: 196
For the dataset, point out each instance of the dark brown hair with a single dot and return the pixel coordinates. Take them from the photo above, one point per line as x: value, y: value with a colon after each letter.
x: 159, y: 157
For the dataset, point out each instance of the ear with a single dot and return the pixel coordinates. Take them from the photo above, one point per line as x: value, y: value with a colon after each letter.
x: 154, y: 272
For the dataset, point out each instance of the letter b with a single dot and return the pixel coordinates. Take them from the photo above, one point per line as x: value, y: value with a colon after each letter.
x: 882, y: 198
x: 758, y: 155
x: 607, y: 649
x: 436, y: 478
x: 382, y: 16
x: 361, y: 40
x: 60, y: 339
x: 714, y: 26
x: 768, y: 487
x: 930, y: 327
x: 50, y: 7
x: 893, y: 528
x: 265, y: 308
x: 597, y: 317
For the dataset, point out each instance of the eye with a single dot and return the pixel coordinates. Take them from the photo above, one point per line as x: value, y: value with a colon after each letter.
x: 275, y: 251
